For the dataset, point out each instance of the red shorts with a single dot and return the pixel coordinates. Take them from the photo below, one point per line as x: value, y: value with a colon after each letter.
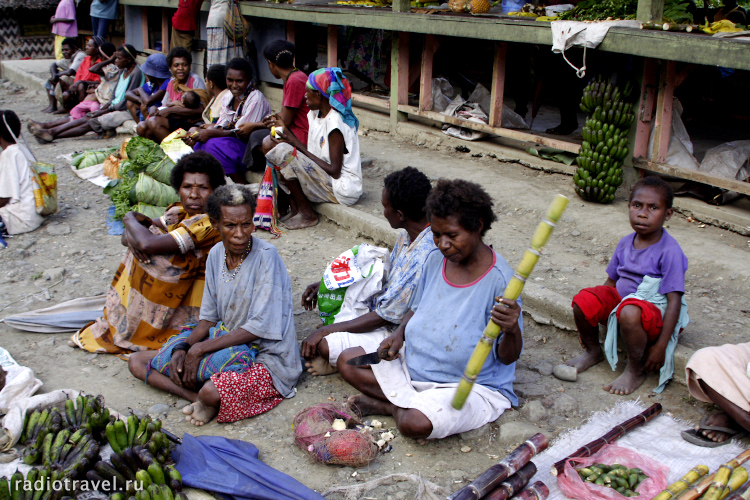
x: 244, y: 395
x: 597, y: 303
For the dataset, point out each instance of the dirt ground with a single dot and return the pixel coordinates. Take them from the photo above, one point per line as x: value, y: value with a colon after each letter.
x: 76, y: 239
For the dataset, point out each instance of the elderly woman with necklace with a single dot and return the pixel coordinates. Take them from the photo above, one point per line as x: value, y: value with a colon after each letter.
x: 242, y: 358
x: 242, y: 112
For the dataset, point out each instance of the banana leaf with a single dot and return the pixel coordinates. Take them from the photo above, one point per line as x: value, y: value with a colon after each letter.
x: 149, y: 210
x: 161, y: 170
x: 149, y: 190
x: 92, y: 158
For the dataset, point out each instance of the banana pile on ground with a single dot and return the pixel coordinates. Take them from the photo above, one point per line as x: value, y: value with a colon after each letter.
x: 39, y: 484
x: 141, y: 434
x: 605, y: 140
x: 138, y: 476
x: 46, y: 427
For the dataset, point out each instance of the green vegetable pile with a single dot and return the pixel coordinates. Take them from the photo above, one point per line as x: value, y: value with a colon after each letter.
x: 148, y: 167
x: 91, y: 157
x: 618, y: 477
x: 599, y: 10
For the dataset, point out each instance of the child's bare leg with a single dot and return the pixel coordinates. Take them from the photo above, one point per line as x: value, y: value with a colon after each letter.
x: 636, y: 340
x: 733, y: 417
x: 593, y: 353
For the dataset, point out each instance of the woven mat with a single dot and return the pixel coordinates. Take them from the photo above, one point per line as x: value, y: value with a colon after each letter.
x: 659, y: 439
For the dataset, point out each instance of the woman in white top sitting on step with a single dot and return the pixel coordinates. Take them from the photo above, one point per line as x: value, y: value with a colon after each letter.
x: 17, y: 206
x: 328, y: 168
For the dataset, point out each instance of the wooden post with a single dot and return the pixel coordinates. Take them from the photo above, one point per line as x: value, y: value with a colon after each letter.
x: 144, y: 27
x: 497, y: 92
x: 425, y: 81
x: 164, y: 30
x: 663, y: 123
x: 399, y: 76
x: 645, y: 112
x: 290, y: 31
x: 333, y: 46
x: 650, y: 11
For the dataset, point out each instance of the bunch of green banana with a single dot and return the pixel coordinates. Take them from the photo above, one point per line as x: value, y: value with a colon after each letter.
x: 615, y: 476
x: 87, y: 412
x: 605, y: 141
x: 136, y: 475
x: 39, y: 484
x: 144, y: 432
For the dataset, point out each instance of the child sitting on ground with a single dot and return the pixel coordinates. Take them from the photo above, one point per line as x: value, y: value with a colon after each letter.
x: 643, y: 295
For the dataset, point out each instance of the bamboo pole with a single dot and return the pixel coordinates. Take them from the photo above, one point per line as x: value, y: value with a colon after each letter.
x: 617, y: 432
x: 737, y: 479
x: 512, y: 292
x: 741, y: 494
x: 513, y: 484
x: 683, y: 483
x: 698, y: 490
x: 537, y: 491
x: 495, y: 475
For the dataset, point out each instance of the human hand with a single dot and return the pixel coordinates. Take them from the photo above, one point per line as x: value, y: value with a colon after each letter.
x: 144, y: 110
x: 273, y: 120
x: 192, y: 360
x: 164, y: 112
x: 176, y: 365
x: 505, y: 314
x: 390, y: 347
x: 310, y: 296
x: 310, y: 344
x: 142, y: 219
x: 656, y: 357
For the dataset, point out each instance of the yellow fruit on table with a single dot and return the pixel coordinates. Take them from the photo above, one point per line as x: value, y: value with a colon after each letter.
x: 479, y: 6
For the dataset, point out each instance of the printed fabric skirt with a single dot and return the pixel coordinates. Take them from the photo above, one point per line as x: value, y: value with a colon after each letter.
x: 244, y: 395
x: 221, y: 49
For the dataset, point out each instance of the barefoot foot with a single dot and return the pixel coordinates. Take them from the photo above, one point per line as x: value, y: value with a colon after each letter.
x: 626, y: 383
x: 365, y: 405
x: 188, y: 409
x: 301, y: 221
x: 201, y: 414
x: 589, y: 358
x: 319, y: 366
x: 288, y: 215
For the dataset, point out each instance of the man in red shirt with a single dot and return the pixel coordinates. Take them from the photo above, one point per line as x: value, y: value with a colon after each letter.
x: 184, y: 23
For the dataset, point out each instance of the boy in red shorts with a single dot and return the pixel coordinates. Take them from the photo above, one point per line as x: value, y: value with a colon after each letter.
x: 642, y: 297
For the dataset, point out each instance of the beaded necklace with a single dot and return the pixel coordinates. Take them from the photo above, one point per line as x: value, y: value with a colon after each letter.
x: 225, y: 269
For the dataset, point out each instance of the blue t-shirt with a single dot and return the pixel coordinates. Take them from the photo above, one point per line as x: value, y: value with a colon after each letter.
x: 448, y: 322
x: 104, y: 9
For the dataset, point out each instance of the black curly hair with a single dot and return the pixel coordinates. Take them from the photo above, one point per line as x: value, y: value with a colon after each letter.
x: 217, y: 74
x: 179, y: 52
x: 281, y: 53
x: 241, y: 64
x: 11, y: 118
x: 70, y: 42
x: 234, y: 195
x: 407, y: 191
x: 199, y: 162
x: 466, y: 200
x: 657, y: 183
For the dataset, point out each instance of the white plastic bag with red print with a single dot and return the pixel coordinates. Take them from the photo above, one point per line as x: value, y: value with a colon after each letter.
x: 571, y: 484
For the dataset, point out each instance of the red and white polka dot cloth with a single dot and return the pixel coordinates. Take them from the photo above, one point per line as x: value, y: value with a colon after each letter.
x: 244, y: 395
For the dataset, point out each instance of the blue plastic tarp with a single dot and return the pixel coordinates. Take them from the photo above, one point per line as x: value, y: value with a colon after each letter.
x: 231, y: 468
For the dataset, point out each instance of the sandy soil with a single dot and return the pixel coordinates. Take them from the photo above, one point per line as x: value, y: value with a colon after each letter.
x: 76, y: 239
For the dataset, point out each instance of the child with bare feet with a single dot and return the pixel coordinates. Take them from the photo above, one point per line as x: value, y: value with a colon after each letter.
x: 403, y: 199
x: 642, y: 297
x: 242, y: 358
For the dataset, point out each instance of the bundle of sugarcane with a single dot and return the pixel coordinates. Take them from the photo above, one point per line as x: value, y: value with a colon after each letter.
x: 616, y: 433
x: 512, y: 292
x: 683, y: 483
x: 508, y: 466
x: 537, y: 491
x: 736, y: 480
x: 513, y: 484
x: 714, y: 480
x: 742, y: 493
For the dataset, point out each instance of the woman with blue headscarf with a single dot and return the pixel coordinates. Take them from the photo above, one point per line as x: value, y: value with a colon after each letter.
x: 328, y: 168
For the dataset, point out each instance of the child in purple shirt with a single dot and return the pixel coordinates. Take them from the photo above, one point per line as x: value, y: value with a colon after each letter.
x: 649, y: 251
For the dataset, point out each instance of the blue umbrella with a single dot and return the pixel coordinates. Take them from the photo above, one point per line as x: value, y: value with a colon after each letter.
x: 232, y: 468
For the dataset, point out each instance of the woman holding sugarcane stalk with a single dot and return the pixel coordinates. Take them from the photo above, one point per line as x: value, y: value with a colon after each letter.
x: 457, y: 295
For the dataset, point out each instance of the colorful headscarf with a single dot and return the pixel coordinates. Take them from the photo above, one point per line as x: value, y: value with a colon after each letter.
x: 335, y: 87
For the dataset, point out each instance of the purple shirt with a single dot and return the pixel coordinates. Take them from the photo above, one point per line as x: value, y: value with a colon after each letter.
x: 66, y: 9
x: 664, y: 259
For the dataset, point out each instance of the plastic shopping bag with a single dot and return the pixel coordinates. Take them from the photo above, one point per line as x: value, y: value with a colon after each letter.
x: 571, y: 484
x: 45, y: 187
